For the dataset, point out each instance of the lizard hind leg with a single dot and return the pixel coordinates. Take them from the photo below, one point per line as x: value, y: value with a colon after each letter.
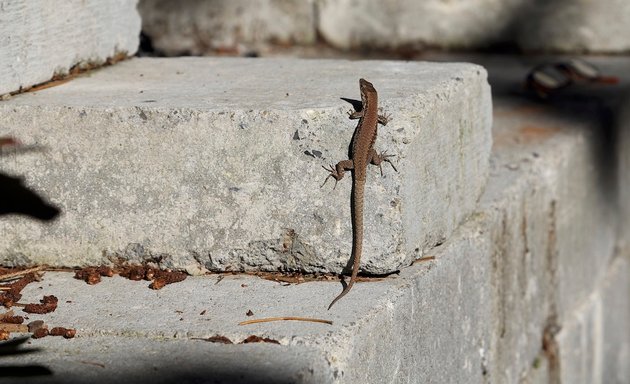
x: 332, y: 174
x: 377, y: 159
x: 337, y: 172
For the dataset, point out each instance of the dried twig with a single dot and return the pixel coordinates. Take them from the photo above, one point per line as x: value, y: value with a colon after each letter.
x: 422, y: 259
x: 23, y: 328
x: 285, y: 318
x: 12, y: 275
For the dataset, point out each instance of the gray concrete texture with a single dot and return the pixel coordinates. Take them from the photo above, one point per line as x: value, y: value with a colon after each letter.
x: 237, y: 26
x: 41, y: 39
x: 507, y: 279
x: 623, y: 170
x: 485, y: 302
x: 560, y: 26
x: 216, y: 164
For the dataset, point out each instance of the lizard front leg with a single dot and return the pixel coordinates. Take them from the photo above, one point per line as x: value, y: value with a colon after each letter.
x: 338, y: 171
x: 384, y: 119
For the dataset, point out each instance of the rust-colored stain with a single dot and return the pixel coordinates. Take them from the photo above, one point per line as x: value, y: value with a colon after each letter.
x: 524, y: 135
x: 532, y: 133
x: 520, y: 110
x: 75, y: 71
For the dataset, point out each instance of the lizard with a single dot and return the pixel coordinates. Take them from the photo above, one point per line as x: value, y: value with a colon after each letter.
x: 362, y: 153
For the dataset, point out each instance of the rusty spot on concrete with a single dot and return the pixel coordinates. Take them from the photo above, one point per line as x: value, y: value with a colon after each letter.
x: 537, y: 132
x: 524, y: 135
x: 519, y: 110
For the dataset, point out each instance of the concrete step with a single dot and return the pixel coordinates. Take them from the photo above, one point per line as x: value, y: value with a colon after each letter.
x: 529, y: 289
x: 215, y: 163
x: 41, y: 41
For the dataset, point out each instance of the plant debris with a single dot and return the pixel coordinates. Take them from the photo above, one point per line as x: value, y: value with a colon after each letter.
x: 92, y: 275
x: 258, y: 339
x: 39, y: 333
x: 250, y: 339
x: 48, y: 304
x: 217, y: 339
x: 285, y: 318
x: 11, y: 294
x: 249, y: 313
x: 163, y: 278
x: 67, y: 333
x: 13, y: 319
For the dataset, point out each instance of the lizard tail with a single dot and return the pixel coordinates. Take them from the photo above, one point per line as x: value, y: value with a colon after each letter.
x: 357, y: 238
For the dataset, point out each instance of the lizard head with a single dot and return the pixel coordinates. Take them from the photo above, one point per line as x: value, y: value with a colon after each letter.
x: 365, y: 87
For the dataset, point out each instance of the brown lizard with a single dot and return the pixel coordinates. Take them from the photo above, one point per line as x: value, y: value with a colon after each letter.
x: 362, y: 153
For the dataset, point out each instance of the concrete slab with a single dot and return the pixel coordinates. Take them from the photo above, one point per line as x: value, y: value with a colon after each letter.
x: 568, y: 26
x: 408, y: 23
x: 41, y: 39
x: 216, y: 163
x: 594, y: 343
x: 135, y: 360
x: 576, y: 26
x: 238, y: 27
x: 118, y: 320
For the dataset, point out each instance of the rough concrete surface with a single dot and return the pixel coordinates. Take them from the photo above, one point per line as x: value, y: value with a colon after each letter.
x: 551, y: 228
x: 217, y: 163
x: 347, y: 24
x: 41, y: 39
x: 622, y: 139
x: 406, y: 312
x: 593, y: 344
x: 576, y: 26
x: 197, y: 27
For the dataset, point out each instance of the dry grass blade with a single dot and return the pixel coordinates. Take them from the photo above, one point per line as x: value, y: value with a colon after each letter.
x: 285, y: 318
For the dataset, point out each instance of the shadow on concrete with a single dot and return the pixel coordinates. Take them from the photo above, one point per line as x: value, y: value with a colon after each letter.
x: 14, y: 347
x: 16, y: 198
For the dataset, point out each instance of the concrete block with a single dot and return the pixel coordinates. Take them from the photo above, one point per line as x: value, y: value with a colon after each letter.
x: 594, y: 343
x: 576, y: 26
x: 217, y: 163
x: 107, y: 359
x: 347, y: 24
x: 551, y: 216
x: 435, y: 310
x: 623, y: 173
x: 396, y: 329
x: 41, y: 39
x: 200, y: 27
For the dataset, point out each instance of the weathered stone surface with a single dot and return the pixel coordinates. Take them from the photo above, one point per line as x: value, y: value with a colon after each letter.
x: 216, y: 163
x: 594, y: 342
x: 347, y: 24
x: 41, y: 39
x: 576, y: 26
x: 198, y: 27
x: 553, y: 216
